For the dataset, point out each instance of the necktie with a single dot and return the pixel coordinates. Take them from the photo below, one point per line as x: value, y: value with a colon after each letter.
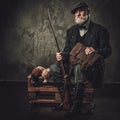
x: 82, y: 27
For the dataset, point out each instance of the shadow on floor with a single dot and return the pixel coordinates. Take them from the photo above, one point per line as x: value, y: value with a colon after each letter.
x: 14, y: 104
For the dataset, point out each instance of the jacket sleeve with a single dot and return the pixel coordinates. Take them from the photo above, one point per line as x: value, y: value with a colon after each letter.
x: 104, y: 44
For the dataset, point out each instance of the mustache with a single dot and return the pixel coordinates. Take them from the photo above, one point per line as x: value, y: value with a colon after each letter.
x: 80, y: 18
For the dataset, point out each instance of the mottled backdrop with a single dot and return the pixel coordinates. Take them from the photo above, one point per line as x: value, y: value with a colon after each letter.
x: 26, y: 39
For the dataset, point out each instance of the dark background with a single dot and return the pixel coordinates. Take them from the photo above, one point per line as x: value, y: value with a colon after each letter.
x: 26, y: 39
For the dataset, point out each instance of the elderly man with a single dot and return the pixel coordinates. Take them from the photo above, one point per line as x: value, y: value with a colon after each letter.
x: 96, y: 39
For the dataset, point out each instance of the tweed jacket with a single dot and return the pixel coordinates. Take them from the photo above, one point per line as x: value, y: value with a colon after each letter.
x: 97, y: 37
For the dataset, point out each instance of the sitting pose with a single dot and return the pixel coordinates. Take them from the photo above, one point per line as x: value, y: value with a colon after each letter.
x: 96, y: 39
x: 84, y: 40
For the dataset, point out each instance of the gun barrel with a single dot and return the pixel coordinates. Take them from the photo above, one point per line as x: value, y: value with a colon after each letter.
x: 50, y: 21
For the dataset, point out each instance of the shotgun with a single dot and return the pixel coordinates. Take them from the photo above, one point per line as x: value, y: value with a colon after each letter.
x: 66, y: 101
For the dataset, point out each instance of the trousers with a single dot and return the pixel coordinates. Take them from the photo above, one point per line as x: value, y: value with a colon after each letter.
x: 56, y: 73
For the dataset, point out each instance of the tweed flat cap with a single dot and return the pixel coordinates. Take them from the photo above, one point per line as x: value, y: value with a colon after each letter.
x: 78, y: 6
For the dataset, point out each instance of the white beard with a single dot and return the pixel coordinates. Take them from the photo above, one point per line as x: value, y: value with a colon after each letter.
x: 81, y: 20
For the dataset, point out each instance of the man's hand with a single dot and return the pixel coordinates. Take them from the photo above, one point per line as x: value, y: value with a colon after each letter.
x: 59, y: 56
x: 89, y: 50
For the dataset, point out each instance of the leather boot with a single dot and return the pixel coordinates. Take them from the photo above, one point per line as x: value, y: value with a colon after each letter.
x: 60, y: 105
x: 77, y: 101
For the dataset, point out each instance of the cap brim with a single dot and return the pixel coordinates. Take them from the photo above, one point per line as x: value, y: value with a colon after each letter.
x: 79, y: 6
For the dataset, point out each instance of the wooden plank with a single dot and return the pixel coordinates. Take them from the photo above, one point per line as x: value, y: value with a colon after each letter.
x: 45, y: 101
x: 89, y: 90
x: 43, y: 89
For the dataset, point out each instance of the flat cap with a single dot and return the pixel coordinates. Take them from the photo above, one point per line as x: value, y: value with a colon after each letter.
x: 79, y: 6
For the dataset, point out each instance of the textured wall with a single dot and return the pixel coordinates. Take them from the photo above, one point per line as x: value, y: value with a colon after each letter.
x: 27, y: 39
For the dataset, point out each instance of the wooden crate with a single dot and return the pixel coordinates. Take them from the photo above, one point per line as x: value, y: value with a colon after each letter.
x: 34, y: 92
x: 42, y: 94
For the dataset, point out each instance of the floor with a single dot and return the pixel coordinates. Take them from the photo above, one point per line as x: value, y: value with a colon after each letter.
x: 14, y: 104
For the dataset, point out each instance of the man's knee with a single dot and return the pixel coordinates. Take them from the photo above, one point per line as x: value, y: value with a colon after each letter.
x: 79, y: 75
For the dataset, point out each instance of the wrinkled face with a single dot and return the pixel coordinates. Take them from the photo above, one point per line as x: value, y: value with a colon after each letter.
x: 81, y: 16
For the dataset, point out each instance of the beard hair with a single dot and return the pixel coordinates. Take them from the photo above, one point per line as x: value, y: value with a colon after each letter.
x: 81, y: 20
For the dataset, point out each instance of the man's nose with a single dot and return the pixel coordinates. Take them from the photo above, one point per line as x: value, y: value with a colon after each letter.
x: 78, y: 13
